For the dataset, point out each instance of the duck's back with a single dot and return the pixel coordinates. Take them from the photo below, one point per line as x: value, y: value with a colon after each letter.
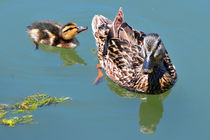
x: 123, y: 61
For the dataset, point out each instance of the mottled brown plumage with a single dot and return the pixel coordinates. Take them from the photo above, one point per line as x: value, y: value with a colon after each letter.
x: 54, y: 34
x: 133, y: 59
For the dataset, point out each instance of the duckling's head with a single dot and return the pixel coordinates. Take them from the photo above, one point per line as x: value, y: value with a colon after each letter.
x: 70, y: 30
x: 153, y: 52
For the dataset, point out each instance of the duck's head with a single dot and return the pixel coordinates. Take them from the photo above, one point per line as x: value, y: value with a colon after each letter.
x: 70, y: 30
x: 153, y: 52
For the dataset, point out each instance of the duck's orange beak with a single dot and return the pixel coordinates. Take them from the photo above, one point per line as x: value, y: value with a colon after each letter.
x: 81, y: 29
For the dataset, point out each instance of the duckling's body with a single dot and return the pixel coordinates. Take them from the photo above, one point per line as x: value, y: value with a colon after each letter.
x: 54, y: 34
x: 132, y: 59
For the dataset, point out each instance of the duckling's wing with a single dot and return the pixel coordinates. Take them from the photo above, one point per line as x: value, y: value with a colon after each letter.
x: 42, y: 26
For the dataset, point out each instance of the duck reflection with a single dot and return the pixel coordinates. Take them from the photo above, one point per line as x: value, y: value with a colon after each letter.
x: 150, y: 110
x: 68, y: 56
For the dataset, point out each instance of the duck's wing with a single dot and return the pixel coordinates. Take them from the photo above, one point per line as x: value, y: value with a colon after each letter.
x: 119, y: 19
x: 124, y: 54
x: 127, y: 33
x: 123, y: 62
x: 170, y: 67
x: 113, y: 32
x: 122, y: 31
x: 124, y: 43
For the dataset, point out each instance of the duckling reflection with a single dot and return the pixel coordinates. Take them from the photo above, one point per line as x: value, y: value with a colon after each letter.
x: 150, y: 110
x: 68, y: 56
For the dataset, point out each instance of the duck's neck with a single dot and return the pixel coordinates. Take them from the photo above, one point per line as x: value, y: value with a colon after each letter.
x: 155, y: 76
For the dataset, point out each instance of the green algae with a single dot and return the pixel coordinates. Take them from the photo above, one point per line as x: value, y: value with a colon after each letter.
x: 11, y: 122
x: 28, y: 105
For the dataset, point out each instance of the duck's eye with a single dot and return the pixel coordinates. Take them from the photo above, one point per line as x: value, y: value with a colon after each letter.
x: 158, y: 57
x: 159, y: 41
x: 159, y: 54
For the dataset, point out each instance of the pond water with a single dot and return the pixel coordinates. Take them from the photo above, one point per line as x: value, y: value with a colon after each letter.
x: 106, y: 111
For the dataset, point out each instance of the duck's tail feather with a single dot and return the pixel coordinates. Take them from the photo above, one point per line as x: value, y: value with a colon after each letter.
x: 100, y: 26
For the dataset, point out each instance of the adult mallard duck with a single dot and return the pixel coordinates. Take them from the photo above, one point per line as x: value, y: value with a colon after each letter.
x: 54, y: 34
x: 133, y: 59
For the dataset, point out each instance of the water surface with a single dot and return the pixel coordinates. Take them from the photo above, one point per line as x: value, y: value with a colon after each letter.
x: 106, y: 111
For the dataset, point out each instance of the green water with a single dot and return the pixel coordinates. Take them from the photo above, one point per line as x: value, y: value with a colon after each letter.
x: 106, y: 111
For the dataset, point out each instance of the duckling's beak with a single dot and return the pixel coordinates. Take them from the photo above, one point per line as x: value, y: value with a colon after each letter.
x: 147, y: 66
x: 81, y: 29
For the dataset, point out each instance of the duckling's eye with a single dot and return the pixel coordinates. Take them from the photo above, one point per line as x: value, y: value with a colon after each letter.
x: 69, y: 29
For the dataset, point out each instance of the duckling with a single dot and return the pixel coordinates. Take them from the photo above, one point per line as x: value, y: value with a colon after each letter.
x: 133, y: 59
x: 55, y: 34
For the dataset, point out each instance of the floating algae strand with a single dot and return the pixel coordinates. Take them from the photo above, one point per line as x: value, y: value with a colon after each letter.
x: 16, y: 120
x: 27, y: 105
x: 31, y: 103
